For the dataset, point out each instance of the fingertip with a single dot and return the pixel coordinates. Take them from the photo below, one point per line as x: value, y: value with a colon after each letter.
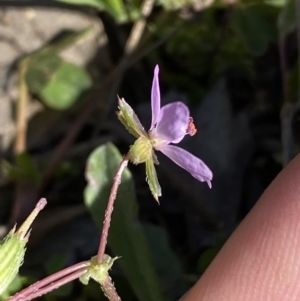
x: 261, y: 260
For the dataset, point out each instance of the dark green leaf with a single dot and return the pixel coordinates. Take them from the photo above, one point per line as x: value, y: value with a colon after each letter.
x: 40, y: 70
x: 56, y: 263
x: 167, y: 264
x: 58, y: 83
x: 126, y: 237
x: 253, y: 29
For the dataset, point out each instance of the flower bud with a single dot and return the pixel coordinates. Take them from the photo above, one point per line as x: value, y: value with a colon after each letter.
x: 12, y: 250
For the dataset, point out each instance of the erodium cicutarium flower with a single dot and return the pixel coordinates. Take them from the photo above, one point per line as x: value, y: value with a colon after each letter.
x: 169, y: 125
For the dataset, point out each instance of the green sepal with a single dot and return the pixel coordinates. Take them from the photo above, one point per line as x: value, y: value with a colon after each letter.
x: 152, y: 178
x: 12, y: 253
x: 130, y: 120
x: 141, y: 150
x: 98, y: 270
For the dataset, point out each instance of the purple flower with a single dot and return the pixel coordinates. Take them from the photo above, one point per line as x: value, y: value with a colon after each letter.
x: 169, y: 125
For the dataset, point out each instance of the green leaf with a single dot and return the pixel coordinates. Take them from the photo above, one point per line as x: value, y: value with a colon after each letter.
x: 65, y: 86
x: 58, y: 83
x: 47, y: 55
x: 40, y: 69
x: 287, y: 18
x: 152, y: 179
x: 126, y: 237
x: 253, y: 29
x: 166, y: 263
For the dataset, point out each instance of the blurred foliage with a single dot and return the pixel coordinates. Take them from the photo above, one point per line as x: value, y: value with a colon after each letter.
x: 54, y: 264
x: 58, y: 83
x: 253, y: 27
x: 120, y: 11
x: 23, y: 169
x: 167, y: 264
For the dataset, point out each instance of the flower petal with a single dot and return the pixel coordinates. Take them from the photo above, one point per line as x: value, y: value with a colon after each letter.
x: 172, y: 123
x: 189, y: 162
x: 155, y: 97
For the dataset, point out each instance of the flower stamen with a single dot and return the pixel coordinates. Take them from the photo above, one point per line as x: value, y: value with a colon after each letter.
x: 191, y: 129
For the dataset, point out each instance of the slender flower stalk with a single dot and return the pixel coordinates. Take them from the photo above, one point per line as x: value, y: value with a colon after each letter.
x: 110, y: 207
x: 110, y: 290
x: 169, y: 125
x: 51, y: 283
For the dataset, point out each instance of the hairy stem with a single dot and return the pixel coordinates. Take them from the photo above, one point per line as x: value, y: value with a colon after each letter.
x: 109, y: 290
x: 110, y: 207
x: 51, y: 283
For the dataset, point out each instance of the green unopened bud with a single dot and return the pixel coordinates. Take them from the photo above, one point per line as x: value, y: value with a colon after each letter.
x: 141, y: 150
x: 98, y: 270
x: 13, y: 248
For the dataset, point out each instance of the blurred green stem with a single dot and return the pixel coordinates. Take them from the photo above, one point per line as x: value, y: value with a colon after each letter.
x: 138, y: 27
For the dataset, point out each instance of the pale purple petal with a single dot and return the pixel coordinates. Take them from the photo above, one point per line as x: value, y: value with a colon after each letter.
x: 189, y: 162
x: 172, y: 122
x: 155, y: 97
